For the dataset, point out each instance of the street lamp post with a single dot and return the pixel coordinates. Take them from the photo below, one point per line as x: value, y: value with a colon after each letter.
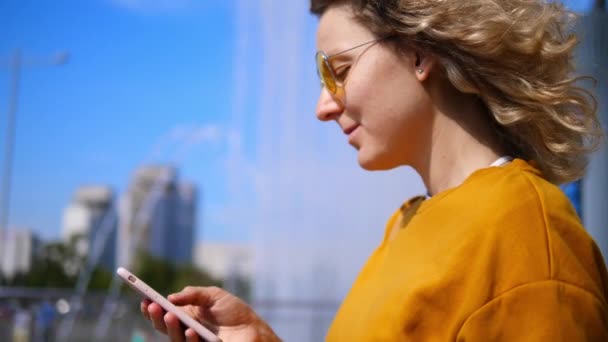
x: 16, y: 63
x: 9, y: 143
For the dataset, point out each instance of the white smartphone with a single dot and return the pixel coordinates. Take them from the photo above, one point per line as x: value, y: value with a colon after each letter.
x: 154, y: 296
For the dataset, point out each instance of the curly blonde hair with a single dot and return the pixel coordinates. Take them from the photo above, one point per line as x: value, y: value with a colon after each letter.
x: 516, y: 56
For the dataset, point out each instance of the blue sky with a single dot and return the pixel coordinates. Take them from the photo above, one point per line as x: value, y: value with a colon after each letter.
x: 135, y: 74
x: 144, y: 77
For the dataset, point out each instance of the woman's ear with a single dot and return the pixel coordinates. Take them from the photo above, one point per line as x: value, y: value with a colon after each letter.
x: 423, y: 65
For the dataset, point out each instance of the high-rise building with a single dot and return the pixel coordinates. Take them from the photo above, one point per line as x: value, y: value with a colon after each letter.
x: 592, y: 59
x: 223, y: 260
x: 183, y: 244
x: 157, y: 216
x: 21, y: 245
x: 232, y: 263
x: 89, y: 222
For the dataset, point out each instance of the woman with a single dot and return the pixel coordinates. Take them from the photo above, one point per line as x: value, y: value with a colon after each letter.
x: 478, y: 97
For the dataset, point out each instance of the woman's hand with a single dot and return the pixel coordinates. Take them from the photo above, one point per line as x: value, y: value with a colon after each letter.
x: 226, y: 315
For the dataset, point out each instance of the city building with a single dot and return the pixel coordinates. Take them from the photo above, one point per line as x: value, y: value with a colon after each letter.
x: 157, y: 215
x: 20, y: 247
x: 592, y: 59
x: 183, y: 243
x: 223, y: 260
x: 89, y: 222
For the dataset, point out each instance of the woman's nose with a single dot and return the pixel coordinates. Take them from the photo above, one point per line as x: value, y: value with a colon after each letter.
x: 328, y: 107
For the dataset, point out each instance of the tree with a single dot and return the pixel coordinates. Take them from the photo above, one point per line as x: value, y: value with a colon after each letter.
x: 58, y: 265
x: 167, y: 278
x: 48, y: 268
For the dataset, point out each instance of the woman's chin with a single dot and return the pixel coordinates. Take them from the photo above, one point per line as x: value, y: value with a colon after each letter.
x: 373, y: 162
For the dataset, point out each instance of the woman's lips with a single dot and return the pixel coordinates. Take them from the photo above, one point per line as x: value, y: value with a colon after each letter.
x: 352, y: 133
x: 350, y: 129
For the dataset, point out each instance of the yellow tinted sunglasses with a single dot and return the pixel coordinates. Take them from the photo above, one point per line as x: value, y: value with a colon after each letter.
x: 327, y: 73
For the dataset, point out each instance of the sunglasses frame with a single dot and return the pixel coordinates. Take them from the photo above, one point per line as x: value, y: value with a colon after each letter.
x: 338, y: 92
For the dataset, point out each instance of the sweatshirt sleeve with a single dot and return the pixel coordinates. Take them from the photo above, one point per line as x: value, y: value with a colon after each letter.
x: 541, y: 311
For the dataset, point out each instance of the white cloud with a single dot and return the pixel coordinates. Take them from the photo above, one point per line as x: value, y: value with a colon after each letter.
x: 180, y: 140
x: 208, y: 133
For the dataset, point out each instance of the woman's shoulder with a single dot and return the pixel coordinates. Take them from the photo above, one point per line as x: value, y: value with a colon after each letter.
x: 518, y: 187
x: 531, y: 223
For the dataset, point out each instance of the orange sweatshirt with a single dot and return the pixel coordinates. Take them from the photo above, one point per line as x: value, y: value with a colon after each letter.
x: 502, y: 257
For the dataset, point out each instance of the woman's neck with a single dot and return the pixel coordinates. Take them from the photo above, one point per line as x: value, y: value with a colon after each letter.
x: 463, y: 141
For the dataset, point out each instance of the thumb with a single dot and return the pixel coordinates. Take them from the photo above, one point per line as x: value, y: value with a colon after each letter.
x: 195, y: 295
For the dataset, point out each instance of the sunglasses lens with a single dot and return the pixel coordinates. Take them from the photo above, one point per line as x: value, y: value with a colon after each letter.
x: 325, y: 73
